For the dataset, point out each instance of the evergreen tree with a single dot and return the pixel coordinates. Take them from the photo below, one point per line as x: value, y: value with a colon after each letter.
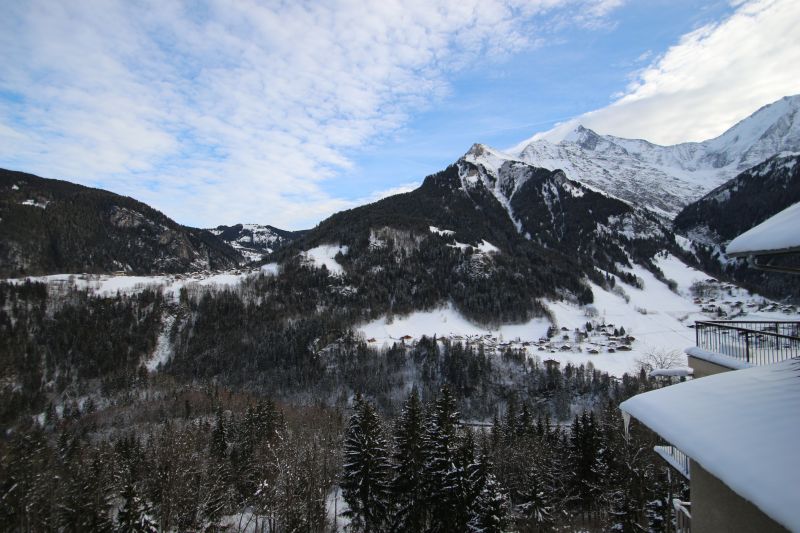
x: 133, y: 515
x: 365, y: 481
x: 445, y: 479
x: 408, y: 470
x: 490, y: 509
x: 219, y: 441
x: 525, y: 421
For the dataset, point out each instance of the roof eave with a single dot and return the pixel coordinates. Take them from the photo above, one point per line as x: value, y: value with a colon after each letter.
x: 758, y: 253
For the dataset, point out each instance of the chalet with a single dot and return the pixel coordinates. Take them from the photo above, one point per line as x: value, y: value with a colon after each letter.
x: 733, y: 431
x: 372, y: 340
x: 594, y: 351
x: 551, y: 364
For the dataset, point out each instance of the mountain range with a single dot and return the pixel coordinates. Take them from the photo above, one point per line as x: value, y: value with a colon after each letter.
x: 516, y: 225
x: 665, y: 178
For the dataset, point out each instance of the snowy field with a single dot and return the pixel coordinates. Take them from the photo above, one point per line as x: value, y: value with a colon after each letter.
x: 325, y: 255
x: 169, y: 284
x: 657, y: 318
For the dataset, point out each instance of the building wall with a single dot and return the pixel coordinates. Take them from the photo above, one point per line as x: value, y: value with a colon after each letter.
x: 716, y: 508
x: 703, y: 368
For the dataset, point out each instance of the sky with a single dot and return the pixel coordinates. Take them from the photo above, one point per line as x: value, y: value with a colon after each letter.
x: 284, y: 112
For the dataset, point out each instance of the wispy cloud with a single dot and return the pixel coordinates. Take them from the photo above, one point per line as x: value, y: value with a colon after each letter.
x: 713, y: 77
x: 222, y: 112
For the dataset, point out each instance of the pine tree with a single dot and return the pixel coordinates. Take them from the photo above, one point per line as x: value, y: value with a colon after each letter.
x: 219, y: 441
x: 133, y: 515
x: 408, y: 470
x: 365, y: 482
x: 490, y: 509
x: 525, y: 421
x: 446, y: 485
x: 510, y: 420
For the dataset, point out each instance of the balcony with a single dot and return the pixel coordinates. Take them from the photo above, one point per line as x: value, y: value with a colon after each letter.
x: 676, y: 458
x: 683, y: 516
x: 754, y: 343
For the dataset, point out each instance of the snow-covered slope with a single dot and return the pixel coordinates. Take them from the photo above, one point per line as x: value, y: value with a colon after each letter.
x: 656, y: 320
x: 665, y: 178
x: 519, y: 186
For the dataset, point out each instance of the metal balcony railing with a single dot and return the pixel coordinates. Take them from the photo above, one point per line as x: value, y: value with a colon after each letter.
x: 683, y: 516
x: 754, y: 342
x: 676, y: 458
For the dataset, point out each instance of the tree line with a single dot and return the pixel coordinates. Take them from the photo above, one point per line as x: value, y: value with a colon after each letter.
x: 426, y: 471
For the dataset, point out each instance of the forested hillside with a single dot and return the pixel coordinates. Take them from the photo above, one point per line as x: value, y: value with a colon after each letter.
x: 735, y: 207
x: 50, y: 226
x: 453, y: 240
x: 118, y: 445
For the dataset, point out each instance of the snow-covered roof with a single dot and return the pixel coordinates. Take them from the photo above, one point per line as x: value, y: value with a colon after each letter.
x: 742, y: 426
x: 778, y: 234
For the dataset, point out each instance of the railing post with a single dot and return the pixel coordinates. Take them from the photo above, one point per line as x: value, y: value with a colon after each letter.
x: 747, y: 345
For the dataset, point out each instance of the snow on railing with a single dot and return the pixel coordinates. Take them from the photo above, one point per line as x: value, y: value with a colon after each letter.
x: 676, y: 458
x: 754, y: 342
x: 683, y: 516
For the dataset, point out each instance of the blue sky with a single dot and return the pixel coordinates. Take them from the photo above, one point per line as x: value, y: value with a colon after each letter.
x: 285, y: 112
x: 502, y: 102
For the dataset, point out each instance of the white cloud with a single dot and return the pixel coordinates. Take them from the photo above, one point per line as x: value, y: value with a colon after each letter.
x: 714, y: 77
x: 223, y: 112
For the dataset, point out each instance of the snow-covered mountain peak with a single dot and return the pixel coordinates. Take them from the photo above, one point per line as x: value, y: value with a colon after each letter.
x: 484, y: 156
x: 770, y: 130
x: 664, y: 178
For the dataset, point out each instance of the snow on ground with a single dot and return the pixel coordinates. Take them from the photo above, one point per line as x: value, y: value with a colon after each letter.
x: 271, y: 269
x: 488, y: 248
x: 34, y: 203
x: 163, y: 349
x: 485, y: 247
x: 442, y: 232
x: 170, y: 284
x: 325, y: 255
x: 460, y: 245
x: 445, y: 322
x: 657, y: 318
